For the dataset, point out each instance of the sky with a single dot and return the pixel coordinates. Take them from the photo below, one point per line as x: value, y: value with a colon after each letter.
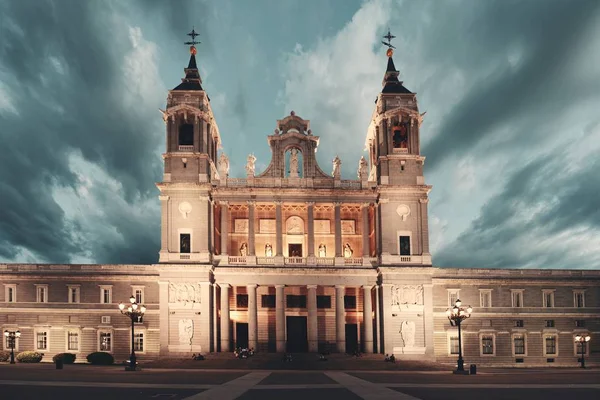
x: 511, y: 135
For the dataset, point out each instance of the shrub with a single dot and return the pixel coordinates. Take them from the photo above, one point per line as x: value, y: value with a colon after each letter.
x: 29, y: 357
x: 67, y: 358
x: 4, y: 355
x: 100, y: 358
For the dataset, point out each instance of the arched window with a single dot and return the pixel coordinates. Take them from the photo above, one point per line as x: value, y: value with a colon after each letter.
x: 186, y: 135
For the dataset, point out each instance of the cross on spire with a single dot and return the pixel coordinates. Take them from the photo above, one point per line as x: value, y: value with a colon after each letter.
x: 389, y: 38
x: 193, y: 34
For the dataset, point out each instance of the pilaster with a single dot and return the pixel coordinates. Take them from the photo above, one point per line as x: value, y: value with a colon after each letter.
x: 338, y: 229
x: 251, y: 242
x: 311, y: 228
x: 377, y: 334
x: 278, y: 229
x: 365, y: 229
x: 224, y: 227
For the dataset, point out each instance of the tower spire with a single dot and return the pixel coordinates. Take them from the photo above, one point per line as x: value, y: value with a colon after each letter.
x: 192, y: 80
x: 390, y: 83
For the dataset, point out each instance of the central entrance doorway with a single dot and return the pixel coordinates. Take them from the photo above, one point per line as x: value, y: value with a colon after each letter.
x: 241, y: 334
x: 351, y: 338
x: 297, y: 335
x: 295, y: 249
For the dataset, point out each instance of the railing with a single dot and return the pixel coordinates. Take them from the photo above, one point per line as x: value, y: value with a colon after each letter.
x: 348, y: 184
x: 265, y: 260
x: 400, y: 150
x: 235, y: 182
x: 353, y: 261
x: 404, y: 258
x: 294, y: 261
x: 237, y: 260
x: 184, y: 256
x: 325, y: 261
x: 186, y: 148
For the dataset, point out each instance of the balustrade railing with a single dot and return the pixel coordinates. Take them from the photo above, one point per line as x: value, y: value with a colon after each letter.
x: 325, y: 261
x: 184, y: 256
x: 186, y: 148
x: 237, y: 260
x: 353, y: 261
x: 294, y: 261
x: 265, y: 260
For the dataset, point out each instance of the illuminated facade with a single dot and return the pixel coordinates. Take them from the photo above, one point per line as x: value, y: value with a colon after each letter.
x: 294, y: 258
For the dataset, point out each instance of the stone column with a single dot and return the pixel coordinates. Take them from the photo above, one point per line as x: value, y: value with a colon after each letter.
x: 313, y: 338
x: 280, y: 318
x: 377, y: 320
x: 278, y: 229
x: 340, y: 318
x: 338, y: 229
x: 252, y: 317
x: 368, y: 319
x: 311, y: 228
x: 225, y: 319
x: 163, y: 298
x: 365, y: 229
x: 224, y: 228
x: 386, y: 319
x: 251, y: 246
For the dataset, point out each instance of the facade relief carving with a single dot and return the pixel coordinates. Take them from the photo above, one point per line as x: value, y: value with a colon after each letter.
x: 186, y: 331
x: 348, y: 227
x: 241, y: 225
x: 407, y: 331
x: 267, y: 226
x: 185, y: 209
x: 403, y: 211
x: 407, y: 294
x: 322, y: 226
x: 184, y: 293
x: 295, y: 225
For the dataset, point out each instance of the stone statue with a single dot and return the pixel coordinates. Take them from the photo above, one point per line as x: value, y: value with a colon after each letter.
x: 322, y: 250
x: 336, y: 167
x: 363, y: 169
x: 244, y: 249
x: 268, y: 250
x: 348, y: 251
x: 223, y: 166
x: 186, y: 331
x: 250, y: 165
x: 407, y: 330
x: 294, y: 163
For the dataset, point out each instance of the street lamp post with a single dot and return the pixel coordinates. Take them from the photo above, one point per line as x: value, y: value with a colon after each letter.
x: 582, y: 340
x: 456, y: 315
x: 134, y: 311
x: 12, y: 339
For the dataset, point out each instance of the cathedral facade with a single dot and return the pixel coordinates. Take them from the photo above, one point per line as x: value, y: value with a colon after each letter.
x: 296, y: 259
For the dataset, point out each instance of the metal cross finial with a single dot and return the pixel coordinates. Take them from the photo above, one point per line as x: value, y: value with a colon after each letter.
x: 193, y: 34
x: 389, y: 38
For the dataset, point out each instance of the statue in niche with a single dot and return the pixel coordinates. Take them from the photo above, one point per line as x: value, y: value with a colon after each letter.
x: 363, y: 169
x: 337, y: 163
x: 186, y: 331
x: 268, y: 250
x: 322, y: 250
x: 184, y: 246
x: 223, y: 166
x: 244, y: 249
x: 294, y: 171
x: 348, y: 251
x: 407, y: 330
x: 250, y: 165
x: 400, y: 137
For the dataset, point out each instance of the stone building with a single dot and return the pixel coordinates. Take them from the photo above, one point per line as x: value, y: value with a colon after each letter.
x: 295, y: 258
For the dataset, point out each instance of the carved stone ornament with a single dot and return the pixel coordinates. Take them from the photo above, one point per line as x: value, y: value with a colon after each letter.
x: 267, y: 226
x: 295, y: 225
x: 185, y: 208
x: 223, y: 166
x: 348, y: 227
x: 407, y: 294
x: 337, y: 163
x: 250, y: 165
x: 186, y: 331
x: 363, y: 169
x: 403, y: 211
x: 184, y: 293
x: 407, y: 330
x: 322, y: 226
x: 241, y: 226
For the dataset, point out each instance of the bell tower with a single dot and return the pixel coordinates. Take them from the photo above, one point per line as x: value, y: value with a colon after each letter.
x: 397, y: 167
x: 192, y: 140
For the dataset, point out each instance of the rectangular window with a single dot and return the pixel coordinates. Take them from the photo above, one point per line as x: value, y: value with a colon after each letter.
x: 11, y: 293
x: 138, y: 293
x: 184, y: 242
x: 487, y: 344
x: 350, y: 302
x: 105, y: 294
x: 105, y: 341
x: 452, y: 297
x: 519, y: 344
x: 323, y: 301
x: 485, y: 298
x: 241, y: 300
x: 73, y: 341
x: 41, y: 340
x: 549, y: 323
x: 73, y: 293
x: 453, y: 344
x: 138, y: 342
x: 519, y: 323
x: 41, y: 293
x: 295, y: 301
x: 517, y: 298
x: 548, y: 298
x: 268, y: 301
x: 550, y: 346
x: 580, y: 323
x: 404, y: 245
x: 579, y: 298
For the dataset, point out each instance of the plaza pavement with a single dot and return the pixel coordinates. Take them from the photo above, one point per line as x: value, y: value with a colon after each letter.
x: 79, y: 381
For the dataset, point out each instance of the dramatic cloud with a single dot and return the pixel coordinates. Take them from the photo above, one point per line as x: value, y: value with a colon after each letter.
x: 511, y: 135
